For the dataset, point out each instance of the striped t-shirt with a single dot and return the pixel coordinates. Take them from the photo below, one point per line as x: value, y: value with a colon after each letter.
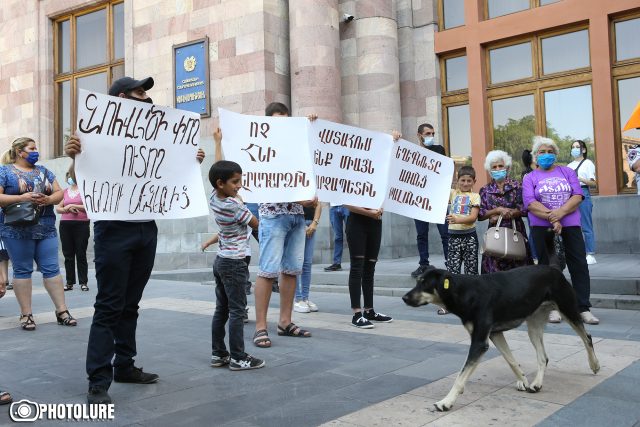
x: 232, y: 217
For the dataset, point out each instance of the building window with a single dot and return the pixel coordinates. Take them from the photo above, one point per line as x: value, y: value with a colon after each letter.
x: 510, y: 63
x: 546, y: 2
x: 497, y: 8
x: 456, y: 73
x: 626, y: 72
x: 451, y: 13
x: 88, y: 54
x: 626, y: 39
x: 565, y: 52
x: 458, y: 128
x: 537, y: 88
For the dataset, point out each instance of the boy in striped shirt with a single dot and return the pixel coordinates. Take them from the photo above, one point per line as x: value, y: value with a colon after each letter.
x: 230, y: 269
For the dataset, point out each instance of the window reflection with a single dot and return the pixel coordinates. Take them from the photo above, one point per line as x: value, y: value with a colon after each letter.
x: 628, y: 90
x: 118, y: 31
x: 459, y: 130
x: 510, y: 63
x: 569, y: 116
x: 456, y: 73
x: 627, y: 34
x: 565, y: 52
x: 505, y: 7
x: 545, y: 2
x: 64, y: 47
x: 453, y: 11
x: 514, y: 125
x: 94, y: 82
x: 91, y: 39
x: 64, y: 112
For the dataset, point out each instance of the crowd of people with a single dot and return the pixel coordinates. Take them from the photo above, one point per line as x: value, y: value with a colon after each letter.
x: 554, y: 198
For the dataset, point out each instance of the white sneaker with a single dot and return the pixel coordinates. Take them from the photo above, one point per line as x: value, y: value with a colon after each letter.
x: 312, y: 306
x: 589, y: 318
x: 591, y: 259
x: 301, y: 307
x: 554, y: 316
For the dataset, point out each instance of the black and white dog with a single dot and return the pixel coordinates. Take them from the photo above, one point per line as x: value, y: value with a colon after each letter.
x: 490, y: 304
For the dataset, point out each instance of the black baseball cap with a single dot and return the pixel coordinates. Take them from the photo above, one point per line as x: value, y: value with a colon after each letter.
x: 126, y: 84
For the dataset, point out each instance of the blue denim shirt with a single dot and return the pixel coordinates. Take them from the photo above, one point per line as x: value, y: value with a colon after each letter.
x: 16, y: 182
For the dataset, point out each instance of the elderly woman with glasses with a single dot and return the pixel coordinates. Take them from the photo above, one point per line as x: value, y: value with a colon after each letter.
x: 501, y: 196
x: 552, y: 195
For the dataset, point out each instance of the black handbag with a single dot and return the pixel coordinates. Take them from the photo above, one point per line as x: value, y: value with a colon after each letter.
x: 22, y: 214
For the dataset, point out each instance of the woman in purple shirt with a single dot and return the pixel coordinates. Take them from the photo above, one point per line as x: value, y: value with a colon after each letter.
x: 552, y: 195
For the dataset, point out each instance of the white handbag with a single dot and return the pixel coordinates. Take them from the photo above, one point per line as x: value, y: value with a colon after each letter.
x: 503, y: 242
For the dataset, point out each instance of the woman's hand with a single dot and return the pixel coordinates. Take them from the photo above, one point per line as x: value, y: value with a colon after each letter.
x: 557, y: 227
x: 28, y: 197
x: 556, y: 215
x: 309, y: 203
x: 41, y: 200
x: 311, y: 229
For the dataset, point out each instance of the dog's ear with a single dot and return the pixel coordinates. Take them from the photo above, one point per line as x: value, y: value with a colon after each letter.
x: 443, y: 281
x: 424, y: 276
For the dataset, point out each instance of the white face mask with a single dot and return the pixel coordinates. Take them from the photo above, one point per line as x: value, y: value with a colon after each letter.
x: 428, y: 140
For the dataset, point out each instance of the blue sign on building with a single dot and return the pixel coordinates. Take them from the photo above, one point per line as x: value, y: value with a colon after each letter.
x: 191, y: 76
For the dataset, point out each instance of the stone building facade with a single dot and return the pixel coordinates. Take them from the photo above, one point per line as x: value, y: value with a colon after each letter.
x: 376, y: 71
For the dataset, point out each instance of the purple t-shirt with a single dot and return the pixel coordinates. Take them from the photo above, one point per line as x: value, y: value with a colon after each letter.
x: 552, y: 189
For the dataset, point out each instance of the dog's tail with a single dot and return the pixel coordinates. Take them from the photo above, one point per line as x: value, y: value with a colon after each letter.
x: 565, y: 298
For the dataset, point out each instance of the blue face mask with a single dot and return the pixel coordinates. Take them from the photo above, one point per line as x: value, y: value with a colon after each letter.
x: 428, y: 140
x: 575, y: 152
x: 546, y: 160
x: 33, y: 157
x: 499, y: 175
x: 70, y: 181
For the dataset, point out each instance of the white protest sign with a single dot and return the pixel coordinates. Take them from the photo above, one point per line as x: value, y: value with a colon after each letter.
x: 419, y: 183
x: 273, y: 154
x: 138, y: 160
x: 350, y: 164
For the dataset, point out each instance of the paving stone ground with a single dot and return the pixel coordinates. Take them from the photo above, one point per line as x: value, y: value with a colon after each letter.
x: 342, y: 376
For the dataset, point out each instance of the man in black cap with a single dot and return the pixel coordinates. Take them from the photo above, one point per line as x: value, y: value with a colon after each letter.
x: 124, y: 256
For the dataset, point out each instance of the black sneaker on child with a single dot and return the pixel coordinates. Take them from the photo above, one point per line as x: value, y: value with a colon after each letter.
x: 377, y: 317
x: 333, y: 267
x: 275, y: 287
x: 97, y: 395
x: 218, y: 361
x: 136, y: 376
x: 418, y: 271
x: 249, y: 362
x: 360, y: 322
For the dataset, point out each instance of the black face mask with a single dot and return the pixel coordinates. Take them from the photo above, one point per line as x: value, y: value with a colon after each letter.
x: 147, y: 100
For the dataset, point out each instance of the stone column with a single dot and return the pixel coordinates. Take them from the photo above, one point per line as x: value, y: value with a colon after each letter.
x: 378, y: 69
x: 314, y: 45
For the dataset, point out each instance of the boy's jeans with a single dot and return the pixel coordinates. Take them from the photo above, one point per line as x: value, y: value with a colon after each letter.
x: 303, y: 282
x: 231, y: 300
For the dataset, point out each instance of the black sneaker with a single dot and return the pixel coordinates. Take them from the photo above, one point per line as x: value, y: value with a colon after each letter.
x: 136, y: 376
x: 249, y: 362
x: 245, y: 316
x: 98, y: 394
x: 275, y: 288
x: 333, y: 267
x: 360, y: 322
x: 418, y: 271
x: 9, y: 286
x: 377, y: 317
x: 218, y: 361
x: 247, y: 288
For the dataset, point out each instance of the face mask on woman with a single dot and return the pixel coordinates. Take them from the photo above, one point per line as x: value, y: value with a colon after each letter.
x: 499, y: 175
x: 32, y: 157
x: 70, y: 181
x: 575, y: 152
x: 546, y: 160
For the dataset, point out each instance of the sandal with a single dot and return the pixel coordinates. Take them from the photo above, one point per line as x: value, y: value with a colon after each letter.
x: 68, y: 287
x: 292, y: 330
x: 442, y: 311
x: 3, y: 398
x: 67, y: 321
x: 261, y: 339
x: 29, y: 324
x: 84, y: 287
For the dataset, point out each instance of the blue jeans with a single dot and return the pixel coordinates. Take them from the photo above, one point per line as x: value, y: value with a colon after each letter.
x: 303, y: 282
x: 422, y: 229
x: 586, y: 222
x: 231, y: 300
x: 338, y: 217
x: 23, y: 251
x: 281, y: 245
